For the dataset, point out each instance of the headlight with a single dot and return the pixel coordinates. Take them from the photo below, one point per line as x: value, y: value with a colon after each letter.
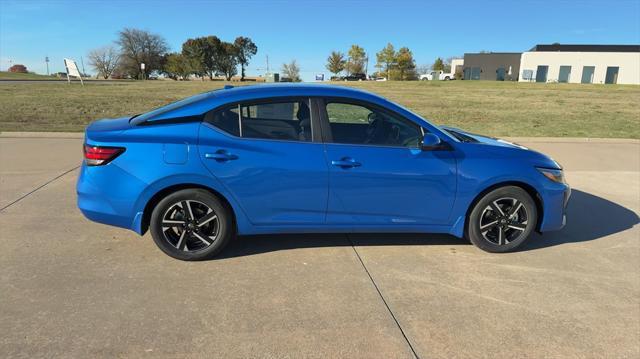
x: 552, y: 174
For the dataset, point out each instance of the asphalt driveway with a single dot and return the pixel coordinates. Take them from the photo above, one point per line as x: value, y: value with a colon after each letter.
x: 73, y: 288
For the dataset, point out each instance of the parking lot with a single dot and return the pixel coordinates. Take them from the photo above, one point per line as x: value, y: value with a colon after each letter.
x: 74, y: 288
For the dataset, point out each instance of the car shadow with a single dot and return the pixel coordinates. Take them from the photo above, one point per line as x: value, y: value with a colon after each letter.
x: 589, y: 217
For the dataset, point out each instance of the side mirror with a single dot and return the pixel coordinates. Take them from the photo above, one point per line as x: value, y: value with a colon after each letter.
x: 430, y: 142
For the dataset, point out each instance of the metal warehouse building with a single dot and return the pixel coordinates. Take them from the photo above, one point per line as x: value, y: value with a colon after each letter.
x: 609, y: 64
x: 493, y: 66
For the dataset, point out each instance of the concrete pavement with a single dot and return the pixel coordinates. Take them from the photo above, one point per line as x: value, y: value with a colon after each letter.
x: 73, y: 288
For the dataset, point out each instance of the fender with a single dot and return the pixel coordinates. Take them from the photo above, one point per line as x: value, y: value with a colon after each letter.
x: 469, y: 196
x: 186, y: 179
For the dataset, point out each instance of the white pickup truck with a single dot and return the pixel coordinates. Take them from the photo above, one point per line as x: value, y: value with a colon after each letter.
x: 438, y: 75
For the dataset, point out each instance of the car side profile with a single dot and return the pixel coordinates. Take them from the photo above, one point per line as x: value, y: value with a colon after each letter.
x: 307, y: 159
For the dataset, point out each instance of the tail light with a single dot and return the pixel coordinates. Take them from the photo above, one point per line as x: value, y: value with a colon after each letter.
x: 100, y: 155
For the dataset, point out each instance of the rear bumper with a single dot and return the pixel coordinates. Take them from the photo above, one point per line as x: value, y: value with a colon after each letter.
x: 97, y: 202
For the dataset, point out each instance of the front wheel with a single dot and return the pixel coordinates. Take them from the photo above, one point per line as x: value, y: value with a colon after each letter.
x: 502, y: 220
x: 191, y: 225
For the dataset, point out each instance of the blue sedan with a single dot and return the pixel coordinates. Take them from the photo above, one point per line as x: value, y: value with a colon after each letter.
x: 309, y: 158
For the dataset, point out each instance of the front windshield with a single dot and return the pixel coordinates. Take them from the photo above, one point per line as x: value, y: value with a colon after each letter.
x: 166, y: 108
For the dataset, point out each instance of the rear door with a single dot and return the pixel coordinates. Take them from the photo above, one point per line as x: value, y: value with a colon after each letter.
x: 378, y: 174
x: 270, y: 158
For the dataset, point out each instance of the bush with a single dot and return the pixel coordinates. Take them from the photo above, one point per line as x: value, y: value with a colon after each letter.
x: 18, y: 69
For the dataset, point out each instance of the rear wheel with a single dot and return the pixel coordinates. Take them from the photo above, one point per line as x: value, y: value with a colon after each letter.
x: 191, y: 225
x: 502, y: 220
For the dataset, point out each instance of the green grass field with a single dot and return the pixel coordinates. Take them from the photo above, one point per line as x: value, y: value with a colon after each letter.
x: 493, y: 108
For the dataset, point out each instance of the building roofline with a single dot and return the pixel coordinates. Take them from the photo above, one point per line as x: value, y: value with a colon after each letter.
x: 584, y: 48
x: 493, y: 53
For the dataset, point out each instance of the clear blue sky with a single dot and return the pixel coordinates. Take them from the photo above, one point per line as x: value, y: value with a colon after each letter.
x: 308, y: 30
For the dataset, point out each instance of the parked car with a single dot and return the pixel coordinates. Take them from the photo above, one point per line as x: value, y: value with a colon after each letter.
x: 355, y: 77
x: 294, y: 158
x: 439, y: 75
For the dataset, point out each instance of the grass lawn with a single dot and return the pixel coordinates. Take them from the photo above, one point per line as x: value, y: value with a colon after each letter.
x: 487, y: 107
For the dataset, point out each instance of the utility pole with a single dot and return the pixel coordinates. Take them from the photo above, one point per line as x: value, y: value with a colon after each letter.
x: 82, y: 63
x: 268, y: 64
x: 46, y: 60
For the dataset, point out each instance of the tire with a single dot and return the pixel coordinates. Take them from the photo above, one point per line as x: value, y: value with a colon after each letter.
x: 502, y: 220
x: 195, y: 233
x: 447, y: 78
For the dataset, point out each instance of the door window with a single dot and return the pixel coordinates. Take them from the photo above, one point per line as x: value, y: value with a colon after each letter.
x: 475, y: 73
x: 612, y: 75
x: 541, y: 73
x: 564, y: 74
x: 227, y: 119
x: 364, y: 125
x: 276, y: 120
x: 587, y: 74
x: 282, y: 120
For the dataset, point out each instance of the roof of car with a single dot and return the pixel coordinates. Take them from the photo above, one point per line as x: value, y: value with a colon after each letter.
x: 286, y: 89
x: 203, y: 102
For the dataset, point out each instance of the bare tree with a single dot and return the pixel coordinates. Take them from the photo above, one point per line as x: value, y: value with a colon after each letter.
x: 141, y: 47
x: 104, y: 60
x: 291, y: 71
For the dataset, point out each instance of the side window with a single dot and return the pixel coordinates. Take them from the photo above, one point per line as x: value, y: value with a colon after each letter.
x: 358, y: 124
x: 226, y: 119
x: 288, y: 120
x: 277, y: 120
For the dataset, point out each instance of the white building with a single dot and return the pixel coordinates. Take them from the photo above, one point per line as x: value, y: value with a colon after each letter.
x: 598, y: 64
x: 457, y: 65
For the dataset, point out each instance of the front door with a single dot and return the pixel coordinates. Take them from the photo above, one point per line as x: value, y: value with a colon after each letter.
x: 266, y: 156
x: 500, y: 72
x: 378, y: 174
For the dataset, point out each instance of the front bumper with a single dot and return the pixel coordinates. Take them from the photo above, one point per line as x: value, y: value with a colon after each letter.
x: 555, y: 201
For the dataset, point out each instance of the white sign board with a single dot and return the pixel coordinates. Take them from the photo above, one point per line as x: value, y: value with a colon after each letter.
x: 72, y: 69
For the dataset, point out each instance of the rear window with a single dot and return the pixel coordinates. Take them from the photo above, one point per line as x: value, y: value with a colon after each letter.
x: 170, y: 107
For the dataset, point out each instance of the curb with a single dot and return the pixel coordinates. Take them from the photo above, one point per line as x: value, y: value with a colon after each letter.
x: 571, y: 140
x: 5, y: 134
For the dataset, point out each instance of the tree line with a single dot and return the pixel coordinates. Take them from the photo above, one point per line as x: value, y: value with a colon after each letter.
x: 206, y: 56
x: 390, y: 64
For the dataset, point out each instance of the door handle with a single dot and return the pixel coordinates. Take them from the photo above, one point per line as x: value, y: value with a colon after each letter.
x: 346, y: 162
x: 221, y: 156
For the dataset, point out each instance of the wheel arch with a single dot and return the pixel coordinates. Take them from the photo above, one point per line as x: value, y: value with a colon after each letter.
x: 159, y: 195
x: 535, y: 195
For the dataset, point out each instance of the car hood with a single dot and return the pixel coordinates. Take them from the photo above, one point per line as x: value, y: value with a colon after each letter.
x: 503, y: 148
x: 483, y: 139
